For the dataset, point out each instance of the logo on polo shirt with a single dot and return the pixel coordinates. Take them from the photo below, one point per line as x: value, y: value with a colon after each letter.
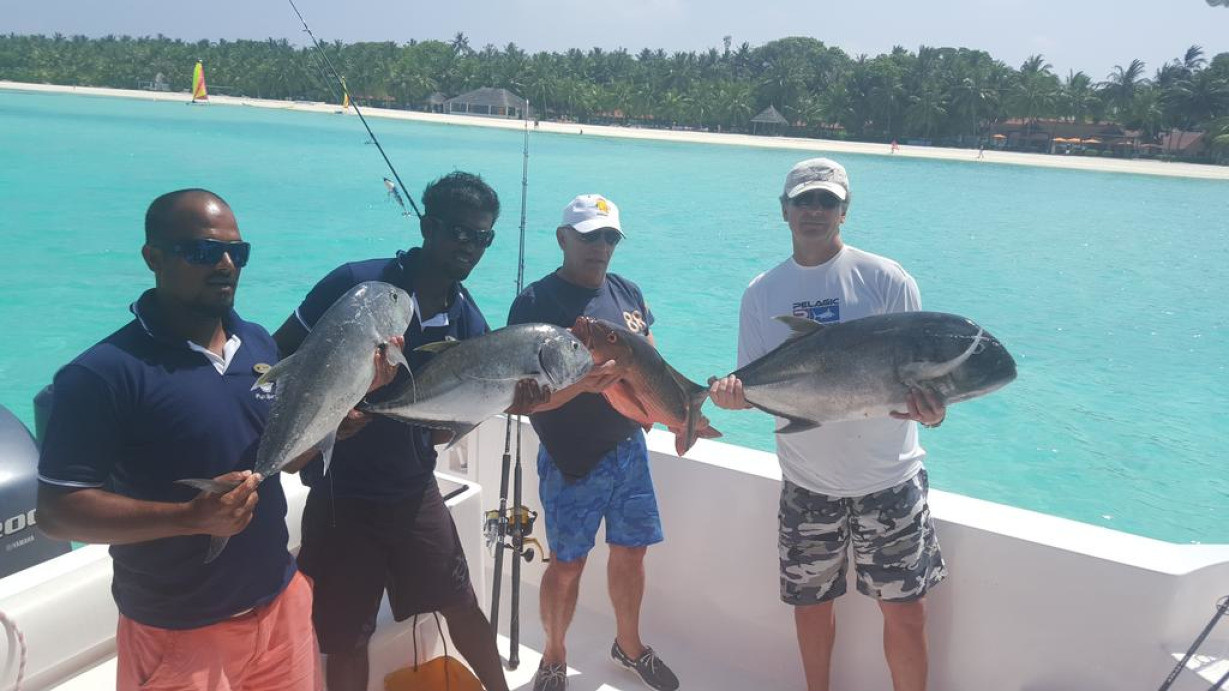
x: 263, y: 392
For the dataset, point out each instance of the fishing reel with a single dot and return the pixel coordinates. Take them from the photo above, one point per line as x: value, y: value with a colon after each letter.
x: 498, y: 527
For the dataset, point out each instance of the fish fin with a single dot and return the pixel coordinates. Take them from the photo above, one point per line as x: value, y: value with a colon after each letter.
x: 396, y: 356
x: 797, y: 424
x: 622, y: 397
x: 274, y: 372
x: 210, y: 486
x: 216, y: 545
x: 800, y: 326
x: 326, y: 449
x: 438, y: 346
x: 459, y: 430
x: 914, y: 373
x: 692, y: 424
x: 708, y: 432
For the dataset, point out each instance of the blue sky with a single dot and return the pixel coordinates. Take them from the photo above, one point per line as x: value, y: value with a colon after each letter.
x: 1089, y: 35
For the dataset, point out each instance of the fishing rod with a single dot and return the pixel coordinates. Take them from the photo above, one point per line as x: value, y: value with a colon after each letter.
x: 505, y: 532
x: 346, y: 90
x: 1221, y: 608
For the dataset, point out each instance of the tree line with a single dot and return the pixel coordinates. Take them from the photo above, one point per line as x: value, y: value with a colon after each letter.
x: 950, y: 96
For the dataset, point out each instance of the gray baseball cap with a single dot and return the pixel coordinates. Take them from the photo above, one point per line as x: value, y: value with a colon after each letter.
x: 817, y: 174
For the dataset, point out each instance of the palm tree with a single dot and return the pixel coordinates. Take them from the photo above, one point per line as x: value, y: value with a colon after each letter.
x: 1120, y: 86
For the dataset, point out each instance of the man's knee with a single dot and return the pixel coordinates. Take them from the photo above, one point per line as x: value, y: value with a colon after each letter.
x: 628, y: 554
x: 566, y: 572
x: 911, y: 614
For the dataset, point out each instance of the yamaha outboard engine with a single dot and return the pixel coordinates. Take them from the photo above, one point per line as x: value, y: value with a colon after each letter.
x: 21, y: 545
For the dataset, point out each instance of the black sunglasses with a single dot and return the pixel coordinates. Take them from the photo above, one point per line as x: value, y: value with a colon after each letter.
x: 814, y: 199
x: 209, y: 252
x: 610, y: 235
x: 481, y: 237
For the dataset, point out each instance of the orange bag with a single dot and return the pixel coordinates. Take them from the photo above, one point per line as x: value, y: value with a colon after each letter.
x: 444, y: 673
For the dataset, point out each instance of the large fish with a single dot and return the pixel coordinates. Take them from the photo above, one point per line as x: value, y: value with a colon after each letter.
x: 322, y: 381
x: 864, y: 368
x: 650, y: 390
x: 468, y: 381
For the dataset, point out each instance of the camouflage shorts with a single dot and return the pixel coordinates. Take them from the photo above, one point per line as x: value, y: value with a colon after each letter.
x: 892, y: 536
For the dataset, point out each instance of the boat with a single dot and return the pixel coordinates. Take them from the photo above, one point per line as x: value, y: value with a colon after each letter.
x: 1033, y: 601
x: 200, y: 93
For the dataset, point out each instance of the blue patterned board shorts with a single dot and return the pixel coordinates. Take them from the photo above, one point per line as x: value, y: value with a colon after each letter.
x: 893, y: 539
x: 618, y: 489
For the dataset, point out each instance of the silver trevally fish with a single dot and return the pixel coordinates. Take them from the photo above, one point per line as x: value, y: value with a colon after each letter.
x: 468, y: 381
x: 322, y: 381
x: 865, y: 367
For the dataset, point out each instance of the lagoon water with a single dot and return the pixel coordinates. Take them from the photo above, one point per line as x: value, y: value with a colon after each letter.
x: 1108, y: 288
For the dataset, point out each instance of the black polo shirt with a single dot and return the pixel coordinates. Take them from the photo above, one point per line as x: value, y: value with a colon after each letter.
x: 579, y: 433
x: 142, y: 409
x: 388, y: 460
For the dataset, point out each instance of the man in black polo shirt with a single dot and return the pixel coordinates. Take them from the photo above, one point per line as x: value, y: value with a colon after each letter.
x: 378, y: 519
x: 169, y: 396
x: 593, y: 463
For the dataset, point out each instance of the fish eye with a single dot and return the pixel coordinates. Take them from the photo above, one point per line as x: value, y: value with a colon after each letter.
x: 611, y: 338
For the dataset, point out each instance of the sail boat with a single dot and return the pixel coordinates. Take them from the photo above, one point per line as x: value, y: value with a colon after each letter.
x: 199, y: 92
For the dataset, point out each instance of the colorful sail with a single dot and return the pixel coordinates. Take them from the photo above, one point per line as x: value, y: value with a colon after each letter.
x: 345, y: 101
x: 199, y: 93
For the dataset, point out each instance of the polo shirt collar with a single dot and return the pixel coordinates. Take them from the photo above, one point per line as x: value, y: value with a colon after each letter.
x: 405, y: 266
x: 149, y: 316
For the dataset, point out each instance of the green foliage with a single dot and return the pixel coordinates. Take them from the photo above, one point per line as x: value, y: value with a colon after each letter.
x: 948, y: 95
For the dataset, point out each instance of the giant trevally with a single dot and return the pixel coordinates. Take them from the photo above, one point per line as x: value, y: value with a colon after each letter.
x: 864, y: 368
x: 324, y: 379
x: 468, y: 381
x: 650, y: 390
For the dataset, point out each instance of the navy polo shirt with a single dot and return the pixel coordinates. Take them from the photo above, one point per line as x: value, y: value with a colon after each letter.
x: 579, y: 433
x: 387, y: 460
x: 140, y: 410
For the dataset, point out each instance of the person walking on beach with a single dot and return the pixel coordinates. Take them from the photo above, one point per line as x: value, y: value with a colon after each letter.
x: 377, y: 522
x: 895, y: 146
x: 593, y: 463
x: 170, y: 396
x: 856, y: 485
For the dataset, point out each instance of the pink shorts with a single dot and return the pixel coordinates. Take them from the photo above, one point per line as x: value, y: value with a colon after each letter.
x: 271, y: 648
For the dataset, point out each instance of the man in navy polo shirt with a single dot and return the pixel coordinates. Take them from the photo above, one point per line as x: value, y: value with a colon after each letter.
x: 169, y: 396
x: 378, y: 521
x: 593, y: 463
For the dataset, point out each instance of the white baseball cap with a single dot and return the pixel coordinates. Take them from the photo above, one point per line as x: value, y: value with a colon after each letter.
x: 590, y: 212
x: 817, y: 174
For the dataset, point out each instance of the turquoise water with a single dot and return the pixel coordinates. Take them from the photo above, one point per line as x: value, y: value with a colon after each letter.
x: 1107, y: 288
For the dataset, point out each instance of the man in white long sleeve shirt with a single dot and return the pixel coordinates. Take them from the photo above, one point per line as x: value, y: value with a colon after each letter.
x: 848, y: 486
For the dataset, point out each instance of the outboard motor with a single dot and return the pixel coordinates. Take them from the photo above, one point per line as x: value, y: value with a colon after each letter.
x: 21, y: 545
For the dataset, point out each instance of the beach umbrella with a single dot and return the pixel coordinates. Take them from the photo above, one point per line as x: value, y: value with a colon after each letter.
x: 1093, y: 140
x: 999, y: 136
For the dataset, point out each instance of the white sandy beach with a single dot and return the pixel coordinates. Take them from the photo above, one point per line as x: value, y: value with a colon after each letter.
x: 823, y: 146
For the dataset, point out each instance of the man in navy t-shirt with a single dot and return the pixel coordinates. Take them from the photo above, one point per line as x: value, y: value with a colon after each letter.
x: 592, y: 463
x: 377, y: 520
x: 169, y: 396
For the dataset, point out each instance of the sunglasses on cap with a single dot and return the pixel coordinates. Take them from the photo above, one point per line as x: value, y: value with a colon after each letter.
x: 610, y: 235
x: 480, y: 237
x: 814, y: 199
x: 209, y: 252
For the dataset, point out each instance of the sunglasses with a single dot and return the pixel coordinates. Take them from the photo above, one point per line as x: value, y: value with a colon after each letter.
x: 209, y: 252
x: 610, y: 235
x: 480, y: 237
x: 814, y: 199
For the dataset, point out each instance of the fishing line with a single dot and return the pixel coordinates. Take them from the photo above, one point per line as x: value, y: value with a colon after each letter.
x: 357, y: 110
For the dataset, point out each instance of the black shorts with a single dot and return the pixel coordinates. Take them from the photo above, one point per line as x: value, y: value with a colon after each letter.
x: 353, y: 549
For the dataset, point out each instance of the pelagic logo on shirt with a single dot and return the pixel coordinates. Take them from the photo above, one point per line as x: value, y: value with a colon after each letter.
x: 823, y: 311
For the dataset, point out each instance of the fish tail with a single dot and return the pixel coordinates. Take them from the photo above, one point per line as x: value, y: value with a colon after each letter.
x: 692, y: 425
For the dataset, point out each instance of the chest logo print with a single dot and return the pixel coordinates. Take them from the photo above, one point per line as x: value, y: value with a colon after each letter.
x: 635, y: 321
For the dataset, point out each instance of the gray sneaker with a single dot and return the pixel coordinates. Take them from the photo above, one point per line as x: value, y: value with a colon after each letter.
x: 551, y: 677
x: 651, y: 670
